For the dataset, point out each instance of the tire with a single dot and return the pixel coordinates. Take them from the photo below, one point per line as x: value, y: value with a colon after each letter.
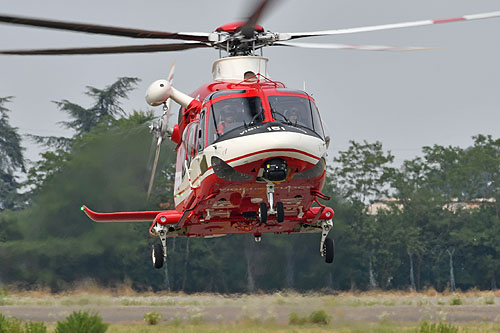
x: 263, y: 212
x: 280, y: 212
x: 157, y: 256
x: 329, y: 250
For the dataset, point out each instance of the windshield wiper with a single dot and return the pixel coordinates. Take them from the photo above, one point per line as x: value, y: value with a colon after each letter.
x: 256, y: 116
x: 287, y: 121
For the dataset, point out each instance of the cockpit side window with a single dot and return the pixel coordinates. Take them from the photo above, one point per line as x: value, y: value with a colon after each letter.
x: 231, y: 113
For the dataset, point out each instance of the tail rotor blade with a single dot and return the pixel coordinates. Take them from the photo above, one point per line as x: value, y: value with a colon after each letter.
x: 166, y: 114
x: 155, y: 164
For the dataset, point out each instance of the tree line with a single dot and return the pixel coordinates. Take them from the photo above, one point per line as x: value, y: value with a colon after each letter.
x: 422, y: 238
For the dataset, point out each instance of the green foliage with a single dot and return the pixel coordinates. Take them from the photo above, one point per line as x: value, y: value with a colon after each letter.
x: 9, y: 228
x: 34, y: 327
x: 456, y: 301
x: 442, y: 327
x: 10, y: 324
x: 152, y: 318
x: 320, y: 317
x: 82, y: 322
x: 104, y: 111
x: 296, y: 319
x: 489, y: 300
x: 11, y: 160
x: 362, y: 171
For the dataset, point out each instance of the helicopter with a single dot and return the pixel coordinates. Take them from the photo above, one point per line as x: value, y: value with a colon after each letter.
x: 251, y: 153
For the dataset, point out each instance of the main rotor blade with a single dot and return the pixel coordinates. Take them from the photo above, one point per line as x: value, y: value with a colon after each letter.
x: 248, y: 28
x: 155, y: 164
x: 351, y: 47
x: 295, y: 35
x: 110, y: 49
x: 102, y: 29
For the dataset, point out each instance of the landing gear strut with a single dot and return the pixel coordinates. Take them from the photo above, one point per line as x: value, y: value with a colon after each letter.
x: 326, y: 246
x: 264, y: 211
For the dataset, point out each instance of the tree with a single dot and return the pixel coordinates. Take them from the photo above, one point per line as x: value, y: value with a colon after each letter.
x: 362, y: 174
x: 105, y: 109
x: 363, y: 171
x: 104, y: 112
x: 11, y: 160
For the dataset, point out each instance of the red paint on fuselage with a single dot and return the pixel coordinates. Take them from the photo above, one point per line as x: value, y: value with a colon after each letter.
x: 223, y: 212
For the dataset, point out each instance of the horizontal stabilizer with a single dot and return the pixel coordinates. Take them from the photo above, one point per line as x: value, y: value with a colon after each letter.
x: 146, y: 216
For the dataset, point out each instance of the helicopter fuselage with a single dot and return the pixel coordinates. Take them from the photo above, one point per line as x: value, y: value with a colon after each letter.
x: 242, y: 141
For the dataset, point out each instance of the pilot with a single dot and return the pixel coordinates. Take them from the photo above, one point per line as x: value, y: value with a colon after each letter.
x: 227, y: 118
x: 293, y: 114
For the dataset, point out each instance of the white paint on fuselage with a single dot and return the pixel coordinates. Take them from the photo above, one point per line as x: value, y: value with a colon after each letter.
x: 265, y: 145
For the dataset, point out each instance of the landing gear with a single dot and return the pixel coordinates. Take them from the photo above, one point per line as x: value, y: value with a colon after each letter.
x: 257, y: 237
x: 280, y: 212
x: 262, y: 212
x: 329, y: 249
x: 326, y: 246
x: 157, y: 256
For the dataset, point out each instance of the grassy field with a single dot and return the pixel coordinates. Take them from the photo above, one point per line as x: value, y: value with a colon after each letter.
x: 274, y: 328
x: 473, y: 311
x: 127, y: 297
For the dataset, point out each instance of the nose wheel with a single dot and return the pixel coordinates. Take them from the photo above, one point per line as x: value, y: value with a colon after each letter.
x: 279, y: 210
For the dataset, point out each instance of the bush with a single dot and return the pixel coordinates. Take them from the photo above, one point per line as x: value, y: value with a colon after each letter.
x: 295, y: 319
x: 34, y: 327
x: 425, y: 327
x: 316, y: 317
x: 456, y: 301
x: 319, y: 317
x: 82, y: 322
x: 489, y: 300
x: 10, y: 324
x: 152, y: 318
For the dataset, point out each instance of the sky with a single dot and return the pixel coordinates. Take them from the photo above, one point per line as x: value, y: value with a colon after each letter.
x: 406, y: 100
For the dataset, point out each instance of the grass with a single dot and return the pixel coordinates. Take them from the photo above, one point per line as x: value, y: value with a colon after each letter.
x: 385, y: 327
x: 101, y: 297
x: 316, y: 321
x: 275, y: 312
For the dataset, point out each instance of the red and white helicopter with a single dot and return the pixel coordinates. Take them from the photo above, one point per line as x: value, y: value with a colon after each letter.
x: 251, y: 153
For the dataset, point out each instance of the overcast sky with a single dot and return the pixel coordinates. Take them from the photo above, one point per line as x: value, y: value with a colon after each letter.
x: 405, y: 100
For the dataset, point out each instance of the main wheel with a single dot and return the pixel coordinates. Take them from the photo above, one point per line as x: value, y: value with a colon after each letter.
x: 329, y: 250
x: 157, y: 255
x: 280, y: 212
x: 263, y: 212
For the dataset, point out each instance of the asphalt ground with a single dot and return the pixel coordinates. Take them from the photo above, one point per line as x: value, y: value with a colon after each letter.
x: 278, y: 312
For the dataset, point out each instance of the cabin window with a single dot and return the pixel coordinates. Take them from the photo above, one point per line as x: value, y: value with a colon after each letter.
x: 296, y: 110
x: 201, y: 131
x: 232, y: 113
x: 190, y: 140
x: 179, y: 166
